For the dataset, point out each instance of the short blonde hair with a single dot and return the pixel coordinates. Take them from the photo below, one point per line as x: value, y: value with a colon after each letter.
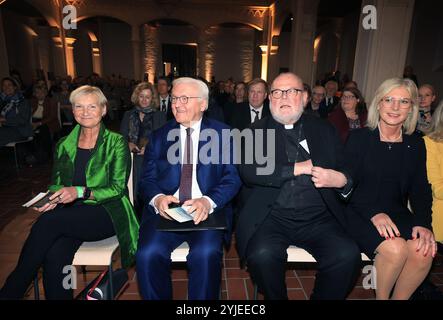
x: 87, y: 90
x: 435, y: 131
x: 386, y: 87
x: 145, y: 86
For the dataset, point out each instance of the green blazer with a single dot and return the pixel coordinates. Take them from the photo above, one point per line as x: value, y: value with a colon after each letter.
x: 107, y: 174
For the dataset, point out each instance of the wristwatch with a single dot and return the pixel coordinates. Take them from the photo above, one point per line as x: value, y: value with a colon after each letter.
x: 87, y: 193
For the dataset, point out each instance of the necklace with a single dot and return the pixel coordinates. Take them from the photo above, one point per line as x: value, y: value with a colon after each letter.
x: 389, y: 142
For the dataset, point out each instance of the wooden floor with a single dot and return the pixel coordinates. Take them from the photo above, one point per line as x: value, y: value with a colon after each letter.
x: 16, y: 187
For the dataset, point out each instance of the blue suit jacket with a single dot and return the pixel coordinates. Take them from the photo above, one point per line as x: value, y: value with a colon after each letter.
x: 218, y: 181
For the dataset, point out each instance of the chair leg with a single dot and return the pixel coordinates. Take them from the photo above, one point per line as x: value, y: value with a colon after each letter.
x: 255, y: 292
x: 111, y: 285
x: 36, y: 290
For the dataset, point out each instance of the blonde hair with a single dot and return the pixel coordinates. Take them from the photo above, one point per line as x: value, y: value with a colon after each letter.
x: 87, y: 90
x: 386, y: 87
x: 435, y: 130
x: 145, y: 86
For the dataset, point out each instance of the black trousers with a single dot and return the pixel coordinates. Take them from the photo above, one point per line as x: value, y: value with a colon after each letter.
x: 52, y: 243
x: 337, y: 255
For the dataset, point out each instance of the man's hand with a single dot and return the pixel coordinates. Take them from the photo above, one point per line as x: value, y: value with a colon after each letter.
x: 162, y: 203
x: 304, y: 167
x: 199, y: 207
x: 328, y: 178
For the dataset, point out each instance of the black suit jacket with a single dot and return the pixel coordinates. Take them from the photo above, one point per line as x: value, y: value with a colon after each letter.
x: 169, y: 114
x: 363, y: 161
x: 241, y: 118
x: 326, y: 151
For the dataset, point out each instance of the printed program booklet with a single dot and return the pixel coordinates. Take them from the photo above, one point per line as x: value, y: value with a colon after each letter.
x: 179, y: 213
x: 39, y: 200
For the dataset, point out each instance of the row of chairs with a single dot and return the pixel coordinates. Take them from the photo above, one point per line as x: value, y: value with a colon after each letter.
x: 100, y: 253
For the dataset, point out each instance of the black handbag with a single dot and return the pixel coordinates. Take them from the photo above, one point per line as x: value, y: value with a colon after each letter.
x: 100, y: 287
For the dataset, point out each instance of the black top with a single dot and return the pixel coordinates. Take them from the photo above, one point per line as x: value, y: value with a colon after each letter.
x: 387, y: 175
x: 262, y: 188
x: 298, y: 200
x: 82, y: 158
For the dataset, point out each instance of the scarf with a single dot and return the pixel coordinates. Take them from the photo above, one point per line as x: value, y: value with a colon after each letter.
x: 9, y: 103
x: 135, y: 123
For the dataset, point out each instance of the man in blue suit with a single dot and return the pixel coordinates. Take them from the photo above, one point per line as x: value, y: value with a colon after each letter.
x: 206, y: 188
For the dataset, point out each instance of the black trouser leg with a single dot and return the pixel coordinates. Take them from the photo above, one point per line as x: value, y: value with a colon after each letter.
x: 55, y: 278
x: 82, y: 222
x: 266, y: 260
x: 337, y: 255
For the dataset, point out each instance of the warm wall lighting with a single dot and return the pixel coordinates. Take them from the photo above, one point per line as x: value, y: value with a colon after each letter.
x: 1, y: 1
x: 264, y: 61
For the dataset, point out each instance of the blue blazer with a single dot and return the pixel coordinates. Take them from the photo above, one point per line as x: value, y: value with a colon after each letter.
x: 219, y: 181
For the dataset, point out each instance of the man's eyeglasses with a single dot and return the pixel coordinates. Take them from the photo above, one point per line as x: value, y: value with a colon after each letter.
x: 292, y: 92
x: 403, y: 102
x: 182, y: 99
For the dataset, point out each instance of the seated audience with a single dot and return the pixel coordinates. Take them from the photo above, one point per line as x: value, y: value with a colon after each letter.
x: 15, y: 113
x: 350, y: 114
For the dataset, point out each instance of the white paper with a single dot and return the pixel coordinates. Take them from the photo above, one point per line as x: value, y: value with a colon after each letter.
x: 180, y: 214
x: 304, y: 144
x: 35, y: 199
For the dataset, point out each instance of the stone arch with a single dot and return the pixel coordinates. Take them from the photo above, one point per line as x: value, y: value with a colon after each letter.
x: 220, y: 61
x: 170, y: 46
x: 27, y: 40
x: 103, y: 50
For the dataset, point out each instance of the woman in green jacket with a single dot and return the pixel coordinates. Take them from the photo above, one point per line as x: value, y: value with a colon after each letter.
x: 90, y: 201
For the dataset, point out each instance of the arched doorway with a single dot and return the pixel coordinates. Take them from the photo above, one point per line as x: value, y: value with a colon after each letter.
x: 336, y: 38
x: 27, y: 40
x: 231, y: 50
x: 101, y: 46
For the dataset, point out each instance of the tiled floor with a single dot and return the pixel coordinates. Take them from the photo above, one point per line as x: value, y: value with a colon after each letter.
x: 17, y: 188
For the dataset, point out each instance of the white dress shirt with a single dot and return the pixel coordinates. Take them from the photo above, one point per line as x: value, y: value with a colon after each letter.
x: 260, y: 111
x: 195, y: 191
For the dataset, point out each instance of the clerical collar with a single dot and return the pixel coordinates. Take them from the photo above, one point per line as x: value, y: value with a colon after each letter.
x: 289, y: 126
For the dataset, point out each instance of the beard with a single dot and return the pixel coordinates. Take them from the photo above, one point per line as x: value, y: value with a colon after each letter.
x: 288, y: 118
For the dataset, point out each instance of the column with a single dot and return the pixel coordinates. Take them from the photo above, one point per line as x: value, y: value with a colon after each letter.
x: 58, y: 57
x: 266, y: 45
x: 136, y: 52
x: 302, y: 39
x: 381, y: 53
x: 97, y: 66
x: 70, y: 64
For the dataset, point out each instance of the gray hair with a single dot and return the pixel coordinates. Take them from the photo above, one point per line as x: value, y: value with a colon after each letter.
x: 202, y: 87
x: 386, y: 87
x: 87, y: 90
